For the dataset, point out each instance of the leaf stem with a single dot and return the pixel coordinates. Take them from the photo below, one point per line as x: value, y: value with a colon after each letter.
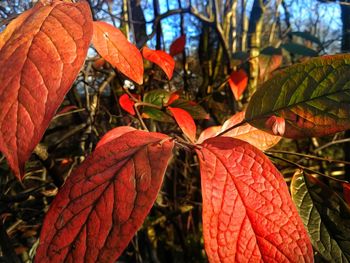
x: 305, y: 168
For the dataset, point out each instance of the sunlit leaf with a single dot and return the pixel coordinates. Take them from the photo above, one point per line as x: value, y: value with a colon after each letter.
x: 113, y: 134
x: 258, y: 138
x: 105, y: 200
x: 162, y: 59
x: 185, y: 122
x: 313, y: 98
x: 42, y: 51
x: 238, y: 82
x: 113, y: 46
x: 325, y: 215
x: 248, y: 215
x: 127, y: 104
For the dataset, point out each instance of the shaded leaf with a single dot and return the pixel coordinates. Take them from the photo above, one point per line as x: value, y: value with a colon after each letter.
x: 193, y: 108
x: 238, y: 82
x: 42, y: 53
x: 113, y: 46
x: 299, y: 49
x: 306, y: 36
x: 158, y: 98
x: 127, y: 104
x: 248, y: 214
x: 313, y: 98
x: 325, y: 215
x: 258, y: 138
x: 270, y: 59
x: 105, y: 200
x: 178, y: 46
x: 346, y: 192
x: 185, y: 122
x: 162, y: 59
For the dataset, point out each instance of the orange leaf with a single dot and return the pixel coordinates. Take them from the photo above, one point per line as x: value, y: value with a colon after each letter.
x: 238, y: 82
x: 248, y: 214
x: 173, y: 97
x: 185, y: 122
x: 162, y: 59
x: 245, y: 132
x: 178, y: 46
x: 113, y: 46
x: 42, y: 52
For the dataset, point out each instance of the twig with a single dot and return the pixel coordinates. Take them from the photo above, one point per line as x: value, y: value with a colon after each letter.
x: 306, y: 169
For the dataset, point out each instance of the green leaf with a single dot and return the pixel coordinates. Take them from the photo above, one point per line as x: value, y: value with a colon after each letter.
x: 313, y: 98
x: 306, y: 36
x: 156, y: 115
x: 299, y: 50
x: 157, y: 97
x: 196, y: 111
x: 325, y: 215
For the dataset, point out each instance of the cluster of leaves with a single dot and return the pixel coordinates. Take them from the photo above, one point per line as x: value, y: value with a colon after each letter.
x: 247, y: 211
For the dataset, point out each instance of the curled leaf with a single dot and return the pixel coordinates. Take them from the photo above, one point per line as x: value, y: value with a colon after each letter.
x: 42, y: 52
x: 105, y: 200
x: 113, y: 46
x: 127, y: 103
x: 258, y: 138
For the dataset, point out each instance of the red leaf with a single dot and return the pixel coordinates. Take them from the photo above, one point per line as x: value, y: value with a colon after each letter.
x: 113, y: 46
x: 258, y: 138
x: 162, y: 59
x: 127, y: 104
x: 178, y: 46
x: 173, y: 97
x: 42, y: 53
x: 248, y: 214
x: 105, y: 200
x: 113, y: 134
x: 185, y: 122
x: 346, y: 192
x: 238, y: 82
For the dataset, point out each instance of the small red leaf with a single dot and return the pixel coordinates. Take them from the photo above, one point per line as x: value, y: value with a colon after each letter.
x: 248, y: 214
x: 173, y: 97
x: 185, y: 122
x: 113, y: 134
x: 178, y: 46
x: 127, y: 104
x: 162, y: 59
x: 42, y: 52
x: 113, y: 46
x: 105, y: 200
x: 238, y: 82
